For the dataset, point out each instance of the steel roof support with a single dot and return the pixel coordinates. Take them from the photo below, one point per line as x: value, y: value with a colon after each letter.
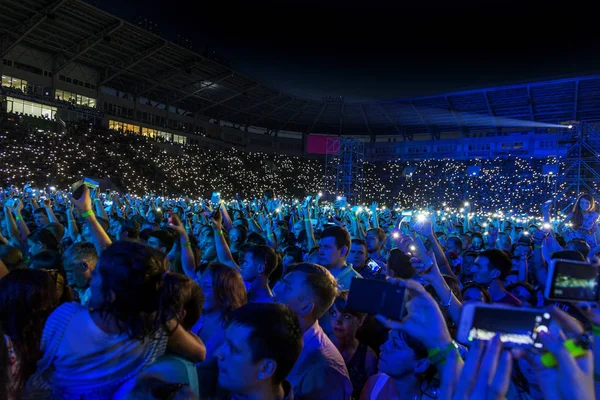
x: 318, y: 118
x: 135, y: 60
x: 165, y: 75
x: 455, y: 115
x: 213, y: 81
x: 265, y: 116
x: 489, y: 107
x: 342, y: 118
x: 575, y: 103
x: 225, y: 100
x: 294, y: 115
x: 14, y: 37
x: 530, y: 101
x: 82, y: 47
x: 367, y: 125
x: 400, y: 132
x: 268, y: 99
x: 433, y: 133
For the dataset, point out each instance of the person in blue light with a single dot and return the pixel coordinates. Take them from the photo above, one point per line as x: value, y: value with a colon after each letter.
x: 262, y: 344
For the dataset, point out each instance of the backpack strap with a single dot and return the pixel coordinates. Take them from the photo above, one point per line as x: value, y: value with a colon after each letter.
x: 379, y: 385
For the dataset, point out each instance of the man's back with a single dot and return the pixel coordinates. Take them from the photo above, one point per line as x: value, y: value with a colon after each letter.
x: 320, y: 372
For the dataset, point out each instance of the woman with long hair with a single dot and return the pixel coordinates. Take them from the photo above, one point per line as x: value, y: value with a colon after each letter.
x: 90, y: 353
x: 224, y: 292
x: 27, y: 298
x: 582, y: 221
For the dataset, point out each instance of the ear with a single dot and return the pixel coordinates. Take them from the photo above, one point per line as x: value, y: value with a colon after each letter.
x: 268, y: 366
x: 261, y: 268
x: 307, y: 308
x: 495, y: 273
x: 361, y: 321
x: 85, y: 266
x: 111, y: 297
x: 344, y: 251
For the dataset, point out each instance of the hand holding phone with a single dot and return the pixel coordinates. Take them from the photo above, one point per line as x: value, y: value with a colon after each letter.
x: 376, y: 297
x: 422, y: 318
x: 417, y: 250
x: 574, y: 281
x: 517, y: 327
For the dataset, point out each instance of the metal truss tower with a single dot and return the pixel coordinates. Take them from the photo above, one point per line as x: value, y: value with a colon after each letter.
x: 344, y: 166
x: 580, y: 166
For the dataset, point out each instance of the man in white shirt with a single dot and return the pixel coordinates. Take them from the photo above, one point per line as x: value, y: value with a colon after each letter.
x: 320, y: 372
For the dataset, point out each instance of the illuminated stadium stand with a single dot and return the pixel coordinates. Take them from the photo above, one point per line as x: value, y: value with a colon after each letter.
x: 71, y: 60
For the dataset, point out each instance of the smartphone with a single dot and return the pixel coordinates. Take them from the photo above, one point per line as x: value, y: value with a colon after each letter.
x: 571, y: 281
x: 418, y: 250
x: 373, y: 266
x: 77, y: 187
x: 517, y: 327
x: 376, y: 297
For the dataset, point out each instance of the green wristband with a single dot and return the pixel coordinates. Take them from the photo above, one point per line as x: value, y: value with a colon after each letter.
x: 87, y: 214
x: 596, y: 330
x: 18, y: 218
x: 439, y: 355
x: 219, y: 233
x: 187, y: 244
x: 549, y: 361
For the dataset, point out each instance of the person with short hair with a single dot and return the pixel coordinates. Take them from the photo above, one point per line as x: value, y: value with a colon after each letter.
x: 262, y: 344
x: 358, y: 257
x: 320, y: 372
x: 258, y: 264
x: 40, y: 217
x: 375, y: 239
x: 490, y: 269
x: 333, y: 250
x: 79, y: 260
x: 161, y: 240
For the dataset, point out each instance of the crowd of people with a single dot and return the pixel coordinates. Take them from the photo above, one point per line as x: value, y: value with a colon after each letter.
x: 155, y: 293
x: 138, y: 164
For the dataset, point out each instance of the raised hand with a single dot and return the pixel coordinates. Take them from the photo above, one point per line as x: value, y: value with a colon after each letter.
x: 84, y: 203
x: 424, y: 228
x: 176, y: 225
x: 485, y: 374
x: 423, y: 320
x: 216, y: 220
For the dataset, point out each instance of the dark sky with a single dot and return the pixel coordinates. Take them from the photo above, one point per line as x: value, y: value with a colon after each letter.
x: 386, y: 50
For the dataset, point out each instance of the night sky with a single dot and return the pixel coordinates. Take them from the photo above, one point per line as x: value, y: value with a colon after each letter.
x: 384, y: 51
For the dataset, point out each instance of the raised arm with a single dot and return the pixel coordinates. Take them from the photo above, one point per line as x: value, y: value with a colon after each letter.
x: 100, y: 238
x: 187, y: 255
x: 223, y: 251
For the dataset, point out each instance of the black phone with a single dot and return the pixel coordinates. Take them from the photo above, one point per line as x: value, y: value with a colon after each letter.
x: 572, y: 281
x: 77, y: 187
x: 376, y: 297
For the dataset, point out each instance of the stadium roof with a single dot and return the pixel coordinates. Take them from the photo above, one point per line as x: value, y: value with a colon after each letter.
x: 134, y: 60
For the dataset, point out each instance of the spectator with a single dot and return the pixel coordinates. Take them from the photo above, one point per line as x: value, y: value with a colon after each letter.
x: 320, y: 372
x: 360, y: 360
x: 27, y: 298
x: 262, y: 344
x: 490, y: 269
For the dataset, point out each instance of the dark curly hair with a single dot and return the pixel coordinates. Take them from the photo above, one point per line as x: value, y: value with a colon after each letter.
x: 131, y: 275
x: 181, y: 295
x: 27, y: 298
